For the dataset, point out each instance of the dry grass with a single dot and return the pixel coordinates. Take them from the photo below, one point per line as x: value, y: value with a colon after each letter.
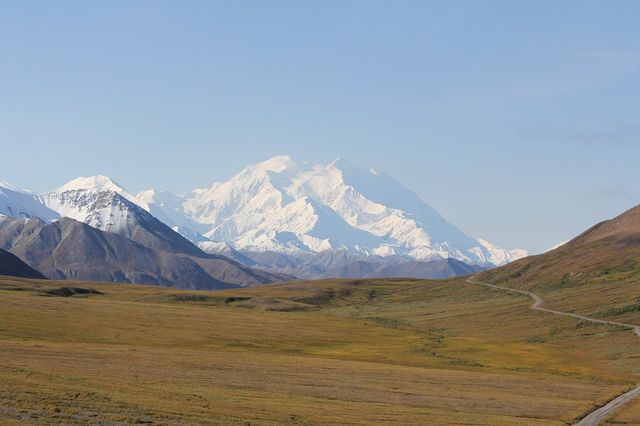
x: 627, y: 415
x: 363, y: 352
x: 596, y: 274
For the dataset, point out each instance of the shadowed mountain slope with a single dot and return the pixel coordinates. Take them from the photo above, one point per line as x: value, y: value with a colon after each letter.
x: 67, y: 249
x: 13, y: 266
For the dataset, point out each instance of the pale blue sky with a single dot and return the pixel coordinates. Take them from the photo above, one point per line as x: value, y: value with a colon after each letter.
x: 519, y: 121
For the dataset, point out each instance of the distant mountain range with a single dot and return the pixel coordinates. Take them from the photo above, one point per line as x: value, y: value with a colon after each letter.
x: 271, y: 221
x: 68, y: 249
x: 95, y: 233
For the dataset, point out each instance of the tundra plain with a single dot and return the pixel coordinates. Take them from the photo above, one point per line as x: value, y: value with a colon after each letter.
x: 339, y: 351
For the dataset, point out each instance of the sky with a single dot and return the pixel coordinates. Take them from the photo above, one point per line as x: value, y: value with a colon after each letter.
x: 518, y: 121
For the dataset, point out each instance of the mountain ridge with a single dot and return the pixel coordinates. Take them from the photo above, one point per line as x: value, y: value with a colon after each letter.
x: 596, y: 255
x: 301, y: 210
x: 291, y: 207
x: 69, y: 249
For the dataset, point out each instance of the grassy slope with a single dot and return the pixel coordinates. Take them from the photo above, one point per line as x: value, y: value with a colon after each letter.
x: 362, y: 352
x: 597, y: 273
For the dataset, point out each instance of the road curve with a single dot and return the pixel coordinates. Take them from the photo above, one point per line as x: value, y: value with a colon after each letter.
x: 537, y: 305
x: 594, y: 418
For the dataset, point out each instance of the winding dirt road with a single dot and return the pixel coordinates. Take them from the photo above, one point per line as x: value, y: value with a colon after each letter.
x: 594, y: 418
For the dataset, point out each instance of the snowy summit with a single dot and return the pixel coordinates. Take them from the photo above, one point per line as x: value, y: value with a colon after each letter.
x: 290, y: 207
x: 279, y: 205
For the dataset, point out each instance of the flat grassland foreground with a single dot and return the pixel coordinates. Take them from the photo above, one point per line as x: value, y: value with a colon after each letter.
x: 347, y: 352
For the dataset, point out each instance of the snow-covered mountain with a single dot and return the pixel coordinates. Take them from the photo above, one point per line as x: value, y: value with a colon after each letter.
x: 299, y: 211
x: 23, y: 205
x: 169, y: 208
x: 112, y: 213
x: 94, y: 183
x: 101, y: 203
x: 295, y: 208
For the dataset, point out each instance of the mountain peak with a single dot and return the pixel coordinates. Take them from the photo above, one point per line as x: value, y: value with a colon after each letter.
x: 277, y: 164
x: 6, y: 185
x: 345, y: 166
x: 340, y: 163
x: 284, y: 206
x: 96, y: 183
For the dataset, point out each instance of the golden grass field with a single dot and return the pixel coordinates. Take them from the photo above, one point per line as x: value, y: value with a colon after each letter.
x: 341, y: 352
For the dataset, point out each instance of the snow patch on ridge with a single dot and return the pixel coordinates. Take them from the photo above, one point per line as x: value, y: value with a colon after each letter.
x: 560, y: 244
x: 103, y: 209
x: 7, y: 185
x: 22, y: 204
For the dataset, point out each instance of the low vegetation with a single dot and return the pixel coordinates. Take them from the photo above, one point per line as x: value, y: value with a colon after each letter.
x: 595, y: 274
x: 348, y: 352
